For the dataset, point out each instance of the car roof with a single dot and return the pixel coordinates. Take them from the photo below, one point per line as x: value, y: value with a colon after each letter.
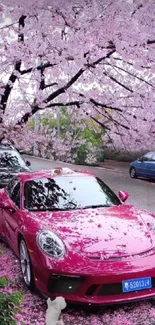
x: 7, y: 149
x: 150, y: 152
x: 56, y: 172
x: 6, y: 146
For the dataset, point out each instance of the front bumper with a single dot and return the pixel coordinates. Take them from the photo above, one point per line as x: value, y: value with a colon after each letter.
x: 102, y: 287
x: 93, y: 291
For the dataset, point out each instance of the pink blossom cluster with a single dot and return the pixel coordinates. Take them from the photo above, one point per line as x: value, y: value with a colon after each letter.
x: 95, y: 57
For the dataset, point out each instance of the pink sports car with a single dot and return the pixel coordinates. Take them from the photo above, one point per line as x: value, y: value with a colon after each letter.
x: 75, y: 238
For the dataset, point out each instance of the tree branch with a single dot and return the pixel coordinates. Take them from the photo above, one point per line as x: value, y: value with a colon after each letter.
x: 63, y: 89
x: 129, y: 73
x: 9, y: 25
x: 39, y: 67
x: 150, y: 41
x: 94, y: 63
x: 99, y: 123
x: 118, y: 82
x: 76, y: 77
x: 68, y: 85
x: 13, y: 77
x: 36, y: 108
x: 72, y: 103
x: 51, y: 85
x: 93, y: 101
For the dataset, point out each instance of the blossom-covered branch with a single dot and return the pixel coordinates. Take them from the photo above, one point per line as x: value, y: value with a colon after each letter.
x: 96, y: 58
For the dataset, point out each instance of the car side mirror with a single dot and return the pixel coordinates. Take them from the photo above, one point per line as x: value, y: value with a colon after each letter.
x: 28, y: 164
x: 7, y: 204
x: 142, y: 159
x: 21, y: 151
x: 123, y: 195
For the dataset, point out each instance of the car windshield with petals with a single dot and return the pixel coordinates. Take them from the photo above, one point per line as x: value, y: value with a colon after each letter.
x: 10, y: 159
x: 67, y: 193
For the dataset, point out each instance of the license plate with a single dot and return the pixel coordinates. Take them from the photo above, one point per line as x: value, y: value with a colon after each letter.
x: 136, y: 284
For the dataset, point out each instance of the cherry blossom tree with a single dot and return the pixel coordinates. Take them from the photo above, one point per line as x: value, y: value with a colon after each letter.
x: 95, y: 57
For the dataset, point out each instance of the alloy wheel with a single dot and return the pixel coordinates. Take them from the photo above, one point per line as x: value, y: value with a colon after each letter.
x: 25, y: 263
x: 133, y: 172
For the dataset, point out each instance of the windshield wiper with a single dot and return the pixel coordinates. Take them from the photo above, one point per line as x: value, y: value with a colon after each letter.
x: 94, y: 206
x: 46, y: 209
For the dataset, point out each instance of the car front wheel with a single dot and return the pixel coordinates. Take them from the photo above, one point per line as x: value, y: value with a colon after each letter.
x: 26, y: 265
x: 133, y: 172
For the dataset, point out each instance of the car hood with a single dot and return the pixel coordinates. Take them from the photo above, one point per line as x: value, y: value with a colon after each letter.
x: 103, y: 233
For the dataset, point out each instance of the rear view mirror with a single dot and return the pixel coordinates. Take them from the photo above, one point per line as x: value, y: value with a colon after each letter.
x: 123, y: 195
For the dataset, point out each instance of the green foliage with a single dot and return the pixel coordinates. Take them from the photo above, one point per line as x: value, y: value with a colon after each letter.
x: 48, y: 121
x: 86, y: 131
x: 81, y: 153
x: 92, y: 137
x: 9, y: 307
x: 9, y: 304
x: 51, y: 120
x: 4, y: 281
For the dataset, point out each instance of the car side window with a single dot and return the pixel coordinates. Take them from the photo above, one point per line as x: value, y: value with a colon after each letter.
x: 148, y: 157
x: 16, y: 195
x: 10, y: 186
x: 153, y: 157
x: 13, y: 190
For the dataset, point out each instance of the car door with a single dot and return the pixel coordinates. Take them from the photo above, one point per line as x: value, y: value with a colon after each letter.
x: 11, y: 217
x: 152, y: 167
x: 144, y: 165
x: 2, y: 221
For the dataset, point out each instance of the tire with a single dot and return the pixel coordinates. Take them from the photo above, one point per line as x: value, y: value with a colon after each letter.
x: 26, y: 265
x: 133, y: 172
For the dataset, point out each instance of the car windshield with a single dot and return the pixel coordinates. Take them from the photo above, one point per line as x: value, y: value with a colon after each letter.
x: 67, y: 193
x: 10, y: 159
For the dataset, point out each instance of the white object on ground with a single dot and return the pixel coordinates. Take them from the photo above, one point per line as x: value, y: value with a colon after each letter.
x: 54, y: 309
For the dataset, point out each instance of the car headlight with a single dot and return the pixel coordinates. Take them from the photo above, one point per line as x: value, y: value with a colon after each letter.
x: 51, y: 244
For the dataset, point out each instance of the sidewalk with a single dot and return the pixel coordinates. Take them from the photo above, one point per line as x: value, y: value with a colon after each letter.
x: 115, y: 165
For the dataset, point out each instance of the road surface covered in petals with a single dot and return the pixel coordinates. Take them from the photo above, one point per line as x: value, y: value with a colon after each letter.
x: 33, y: 309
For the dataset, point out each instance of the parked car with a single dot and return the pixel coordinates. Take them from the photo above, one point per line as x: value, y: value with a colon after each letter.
x: 11, y: 163
x: 75, y: 238
x: 143, y: 167
x: 6, y: 145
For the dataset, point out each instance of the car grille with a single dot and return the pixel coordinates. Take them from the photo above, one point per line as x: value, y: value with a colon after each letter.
x: 61, y: 284
x: 108, y: 289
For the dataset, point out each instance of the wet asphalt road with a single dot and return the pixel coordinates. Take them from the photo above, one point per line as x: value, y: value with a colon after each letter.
x: 141, y: 192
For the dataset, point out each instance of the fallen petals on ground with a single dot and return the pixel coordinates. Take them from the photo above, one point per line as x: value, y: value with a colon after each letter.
x: 33, y: 307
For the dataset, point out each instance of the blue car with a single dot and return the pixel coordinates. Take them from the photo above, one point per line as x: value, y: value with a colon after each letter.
x: 143, y: 167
